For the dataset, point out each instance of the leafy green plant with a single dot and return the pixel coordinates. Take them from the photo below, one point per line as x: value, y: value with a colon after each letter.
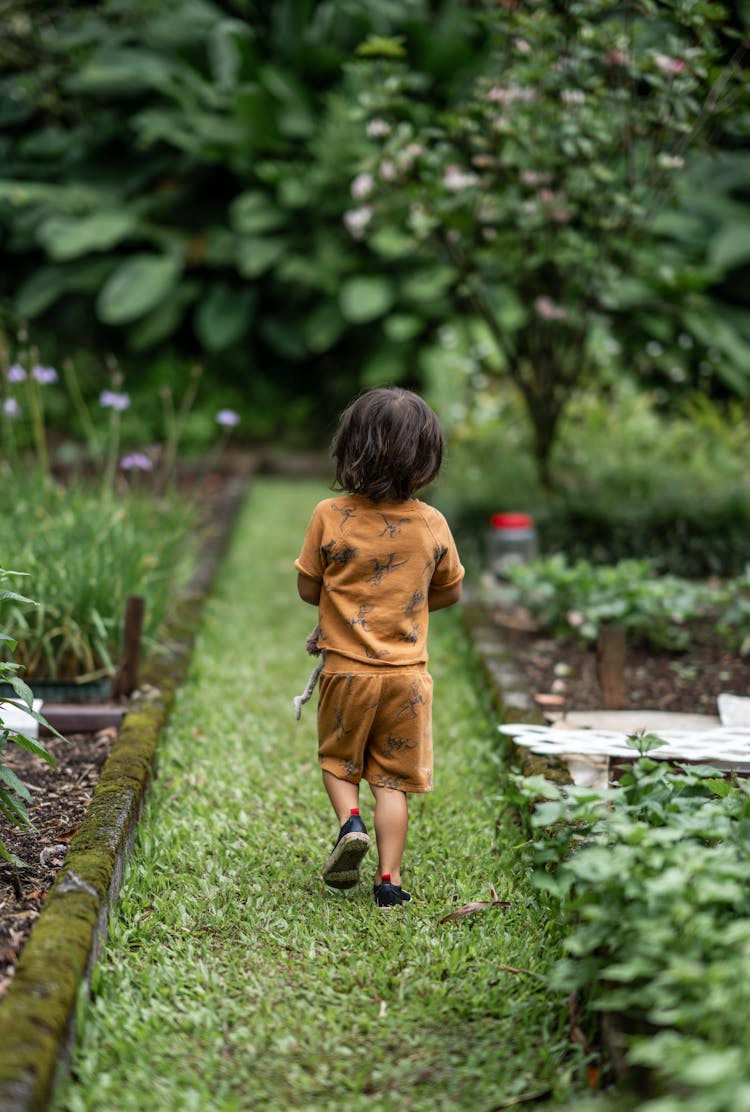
x: 182, y: 185
x: 14, y: 795
x: 652, y: 879
x: 578, y: 598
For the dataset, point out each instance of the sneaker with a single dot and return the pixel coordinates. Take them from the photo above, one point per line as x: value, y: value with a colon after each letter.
x: 341, y: 870
x: 389, y: 895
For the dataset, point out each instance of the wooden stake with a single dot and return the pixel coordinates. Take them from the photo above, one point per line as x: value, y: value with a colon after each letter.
x: 126, y: 679
x: 610, y: 666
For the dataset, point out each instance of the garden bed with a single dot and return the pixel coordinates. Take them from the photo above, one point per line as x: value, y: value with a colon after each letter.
x: 686, y: 682
x: 61, y: 797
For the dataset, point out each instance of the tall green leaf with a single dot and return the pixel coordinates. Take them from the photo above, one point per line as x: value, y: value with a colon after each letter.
x: 137, y: 286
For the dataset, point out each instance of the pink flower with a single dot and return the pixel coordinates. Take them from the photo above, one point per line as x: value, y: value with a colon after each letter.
x: 457, y: 179
x: 378, y: 129
x: 575, y: 618
x: 356, y: 221
x: 510, y: 94
x: 534, y: 177
x: 668, y: 65
x: 548, y: 310
x: 16, y: 373
x: 362, y: 186
x: 671, y: 161
x: 227, y: 418
x: 388, y: 169
x: 522, y: 46
x: 618, y: 57
x: 11, y: 408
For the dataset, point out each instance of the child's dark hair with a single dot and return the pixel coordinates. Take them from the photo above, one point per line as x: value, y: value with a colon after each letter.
x: 388, y: 445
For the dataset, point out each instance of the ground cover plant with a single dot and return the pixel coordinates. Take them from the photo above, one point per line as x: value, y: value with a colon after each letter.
x: 651, y: 878
x: 575, y: 599
x: 233, y: 979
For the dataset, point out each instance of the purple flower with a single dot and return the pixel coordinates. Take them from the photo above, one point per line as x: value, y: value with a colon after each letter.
x: 45, y: 376
x: 11, y: 408
x: 228, y: 418
x: 109, y: 399
x: 16, y: 373
x: 136, y: 461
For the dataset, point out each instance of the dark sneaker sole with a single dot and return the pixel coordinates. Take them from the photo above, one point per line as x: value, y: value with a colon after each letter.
x: 341, y: 870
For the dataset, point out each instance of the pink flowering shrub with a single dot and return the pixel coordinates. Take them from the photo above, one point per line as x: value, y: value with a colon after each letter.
x: 538, y: 190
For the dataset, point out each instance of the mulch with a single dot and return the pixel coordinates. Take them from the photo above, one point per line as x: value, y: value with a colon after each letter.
x: 686, y: 682
x: 60, y: 799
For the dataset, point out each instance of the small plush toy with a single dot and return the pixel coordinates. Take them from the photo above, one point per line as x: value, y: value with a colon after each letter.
x: 314, y: 649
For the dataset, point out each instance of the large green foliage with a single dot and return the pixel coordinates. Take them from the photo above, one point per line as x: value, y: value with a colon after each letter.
x: 301, y: 193
x: 178, y: 179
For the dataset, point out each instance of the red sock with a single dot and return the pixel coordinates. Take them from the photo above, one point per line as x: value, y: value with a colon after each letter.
x: 385, y: 878
x: 354, y: 811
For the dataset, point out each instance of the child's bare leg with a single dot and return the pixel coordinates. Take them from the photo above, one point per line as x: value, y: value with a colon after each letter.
x: 342, y: 794
x: 391, y: 824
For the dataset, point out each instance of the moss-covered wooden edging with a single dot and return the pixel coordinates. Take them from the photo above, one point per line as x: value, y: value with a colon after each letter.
x: 37, y: 1016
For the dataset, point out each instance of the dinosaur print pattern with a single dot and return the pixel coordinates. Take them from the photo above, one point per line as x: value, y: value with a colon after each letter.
x: 377, y: 725
x: 392, y: 527
x: 381, y: 568
x: 377, y: 563
x: 336, y: 553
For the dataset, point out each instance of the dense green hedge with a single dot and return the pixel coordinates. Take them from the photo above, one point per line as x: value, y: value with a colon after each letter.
x: 685, y: 537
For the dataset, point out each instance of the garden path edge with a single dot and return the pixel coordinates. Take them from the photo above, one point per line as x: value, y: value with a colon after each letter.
x: 38, y: 1013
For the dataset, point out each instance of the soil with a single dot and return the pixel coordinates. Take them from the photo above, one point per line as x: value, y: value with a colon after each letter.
x: 681, y: 682
x: 60, y: 798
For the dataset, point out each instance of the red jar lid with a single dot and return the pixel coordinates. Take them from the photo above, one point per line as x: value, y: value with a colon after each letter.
x: 511, y: 521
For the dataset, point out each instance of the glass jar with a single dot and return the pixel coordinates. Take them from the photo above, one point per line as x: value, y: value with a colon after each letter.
x: 512, y: 540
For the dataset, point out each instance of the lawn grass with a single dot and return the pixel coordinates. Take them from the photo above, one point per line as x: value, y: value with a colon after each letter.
x: 233, y: 978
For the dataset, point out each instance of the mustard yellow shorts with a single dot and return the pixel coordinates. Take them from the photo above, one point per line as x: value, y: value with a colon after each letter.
x: 376, y: 725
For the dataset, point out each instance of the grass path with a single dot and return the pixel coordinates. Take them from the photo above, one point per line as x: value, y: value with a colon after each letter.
x: 233, y: 979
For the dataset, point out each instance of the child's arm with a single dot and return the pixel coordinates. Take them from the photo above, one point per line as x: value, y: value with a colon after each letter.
x: 309, y: 589
x: 440, y: 597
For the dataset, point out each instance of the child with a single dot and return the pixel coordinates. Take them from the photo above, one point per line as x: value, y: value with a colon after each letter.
x: 375, y: 561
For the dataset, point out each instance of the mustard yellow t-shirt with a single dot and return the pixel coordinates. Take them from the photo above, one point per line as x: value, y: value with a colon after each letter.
x: 376, y: 562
